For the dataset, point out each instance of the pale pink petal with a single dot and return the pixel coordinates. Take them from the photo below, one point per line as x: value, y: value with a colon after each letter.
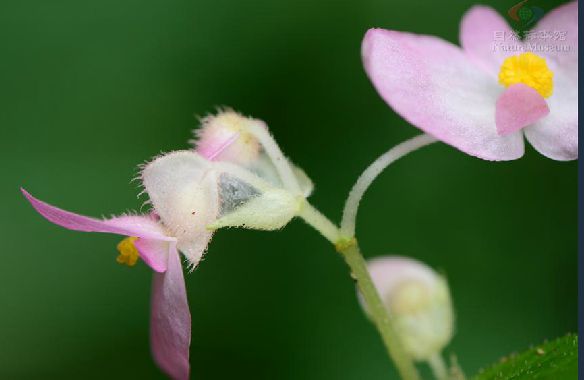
x: 170, y: 320
x: 556, y: 135
x: 484, y: 36
x: 138, y: 226
x: 153, y: 252
x: 518, y: 107
x: 152, y: 244
x: 434, y: 86
x: 556, y: 36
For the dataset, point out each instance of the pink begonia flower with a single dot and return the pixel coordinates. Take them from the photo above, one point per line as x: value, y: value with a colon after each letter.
x: 170, y: 318
x: 484, y: 97
x: 225, y: 182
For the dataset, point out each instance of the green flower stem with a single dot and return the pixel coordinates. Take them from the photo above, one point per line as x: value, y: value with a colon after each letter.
x: 439, y: 368
x: 319, y: 222
x: 349, y: 249
x: 382, y: 320
x: 370, y: 174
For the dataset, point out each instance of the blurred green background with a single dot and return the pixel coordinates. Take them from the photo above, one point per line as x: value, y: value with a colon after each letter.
x: 88, y: 90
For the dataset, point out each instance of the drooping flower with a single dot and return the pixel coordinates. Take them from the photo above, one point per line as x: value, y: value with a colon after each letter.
x: 191, y: 197
x: 484, y: 97
x: 148, y: 239
x: 418, y: 301
x: 229, y: 181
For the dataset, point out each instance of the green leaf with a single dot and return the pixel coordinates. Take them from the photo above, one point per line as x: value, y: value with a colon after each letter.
x: 554, y: 360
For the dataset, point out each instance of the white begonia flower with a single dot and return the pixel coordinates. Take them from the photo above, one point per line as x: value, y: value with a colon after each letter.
x: 418, y: 301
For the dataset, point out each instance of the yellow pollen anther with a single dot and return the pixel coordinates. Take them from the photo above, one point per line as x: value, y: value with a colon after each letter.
x: 128, y: 252
x: 529, y: 69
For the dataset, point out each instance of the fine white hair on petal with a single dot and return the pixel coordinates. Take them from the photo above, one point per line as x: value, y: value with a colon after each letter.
x: 183, y: 189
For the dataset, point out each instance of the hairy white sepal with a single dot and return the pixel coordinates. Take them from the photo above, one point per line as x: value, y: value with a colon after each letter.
x: 270, y: 210
x: 182, y: 187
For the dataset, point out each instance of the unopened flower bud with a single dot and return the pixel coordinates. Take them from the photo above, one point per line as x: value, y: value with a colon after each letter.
x: 225, y: 137
x: 418, y: 301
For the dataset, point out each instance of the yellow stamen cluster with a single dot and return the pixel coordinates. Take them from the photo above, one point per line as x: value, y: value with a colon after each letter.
x: 529, y: 69
x: 128, y: 252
